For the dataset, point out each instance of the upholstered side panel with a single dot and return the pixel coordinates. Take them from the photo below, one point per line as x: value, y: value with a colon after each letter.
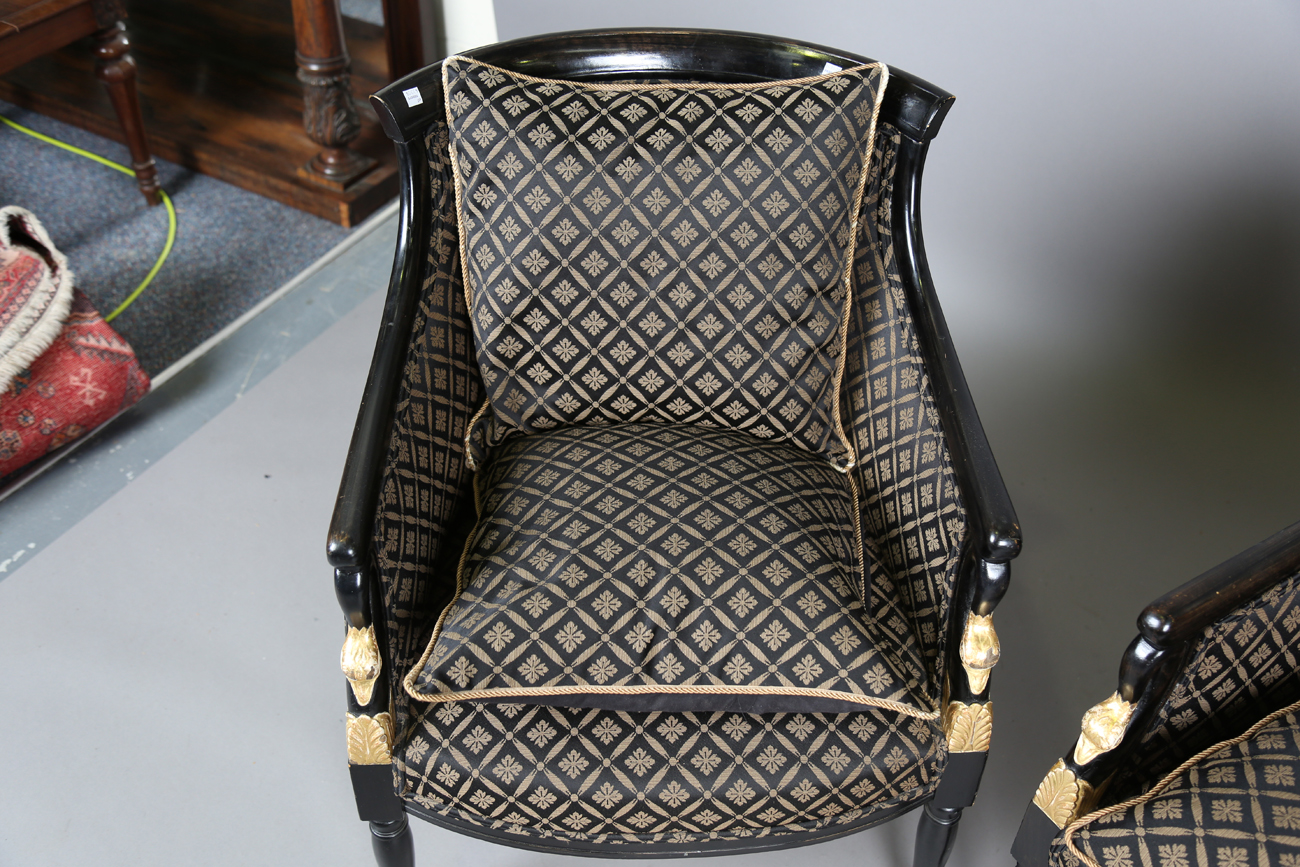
x: 913, y: 520
x: 577, y: 775
x: 426, y: 503
x: 1233, y: 806
x: 1244, y: 667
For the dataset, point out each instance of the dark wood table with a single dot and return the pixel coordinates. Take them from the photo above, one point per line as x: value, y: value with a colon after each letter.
x: 32, y: 28
x: 269, y: 95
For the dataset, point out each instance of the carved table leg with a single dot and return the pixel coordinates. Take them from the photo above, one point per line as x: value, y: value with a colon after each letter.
x: 329, y: 114
x: 115, y: 67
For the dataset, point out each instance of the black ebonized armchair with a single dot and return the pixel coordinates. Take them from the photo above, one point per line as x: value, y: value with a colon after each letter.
x: 1193, y: 761
x: 668, y: 526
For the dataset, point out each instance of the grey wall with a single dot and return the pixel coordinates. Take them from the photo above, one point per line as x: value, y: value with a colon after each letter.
x: 1112, y: 213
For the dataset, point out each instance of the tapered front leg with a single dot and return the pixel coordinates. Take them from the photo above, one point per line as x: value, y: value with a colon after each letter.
x: 935, y: 834
x: 392, y: 843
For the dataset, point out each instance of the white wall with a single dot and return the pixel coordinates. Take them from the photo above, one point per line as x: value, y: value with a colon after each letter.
x: 1102, y: 159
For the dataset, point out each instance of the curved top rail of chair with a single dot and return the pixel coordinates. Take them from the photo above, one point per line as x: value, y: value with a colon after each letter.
x: 1182, y: 613
x: 912, y: 104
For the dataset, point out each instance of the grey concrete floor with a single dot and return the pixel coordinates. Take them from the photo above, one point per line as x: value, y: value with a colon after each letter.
x: 172, y: 645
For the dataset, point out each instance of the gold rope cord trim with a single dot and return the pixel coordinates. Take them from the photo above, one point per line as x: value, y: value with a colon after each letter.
x: 650, y: 689
x: 849, y: 253
x: 1159, y: 788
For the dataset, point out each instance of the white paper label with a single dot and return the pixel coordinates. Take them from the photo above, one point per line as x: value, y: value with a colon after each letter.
x: 413, y: 97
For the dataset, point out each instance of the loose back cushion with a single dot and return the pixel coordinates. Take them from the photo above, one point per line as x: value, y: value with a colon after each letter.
x: 673, y: 253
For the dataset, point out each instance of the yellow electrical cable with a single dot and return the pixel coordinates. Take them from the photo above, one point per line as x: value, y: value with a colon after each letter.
x: 171, y: 211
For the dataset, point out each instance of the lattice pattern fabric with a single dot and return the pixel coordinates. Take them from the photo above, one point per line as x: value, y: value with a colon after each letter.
x: 673, y: 253
x: 1245, y: 667
x: 646, y: 567
x: 614, y: 777
x: 426, y: 506
x: 913, y: 520
x: 1237, y: 806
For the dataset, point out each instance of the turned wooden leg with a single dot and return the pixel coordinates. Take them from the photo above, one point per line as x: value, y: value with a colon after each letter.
x: 329, y: 113
x: 935, y: 834
x: 115, y: 67
x: 392, y: 843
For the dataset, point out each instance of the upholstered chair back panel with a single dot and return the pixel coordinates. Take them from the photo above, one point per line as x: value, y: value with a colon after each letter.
x: 426, y: 500
x: 913, y: 520
x: 670, y: 253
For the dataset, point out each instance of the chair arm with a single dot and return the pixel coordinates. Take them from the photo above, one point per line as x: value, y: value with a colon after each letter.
x: 349, y: 544
x: 1182, y: 614
x: 995, y: 527
x: 1172, y: 632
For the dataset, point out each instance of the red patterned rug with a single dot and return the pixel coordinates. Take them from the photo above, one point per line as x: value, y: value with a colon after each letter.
x: 63, y: 370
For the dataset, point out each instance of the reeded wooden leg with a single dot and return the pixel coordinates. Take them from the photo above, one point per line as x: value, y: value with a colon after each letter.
x: 115, y: 67
x: 329, y: 113
x: 392, y: 843
x: 935, y: 834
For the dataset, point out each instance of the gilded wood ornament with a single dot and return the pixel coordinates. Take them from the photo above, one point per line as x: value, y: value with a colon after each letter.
x: 1103, y: 728
x: 979, y: 650
x: 360, y: 662
x: 968, y: 727
x: 1062, y: 796
x: 370, y: 739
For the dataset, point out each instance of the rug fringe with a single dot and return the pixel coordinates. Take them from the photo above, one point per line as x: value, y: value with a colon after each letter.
x: 35, y: 328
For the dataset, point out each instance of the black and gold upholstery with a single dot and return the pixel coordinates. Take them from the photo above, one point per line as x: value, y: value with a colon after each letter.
x: 1236, y: 804
x: 612, y: 627
x: 1200, y: 763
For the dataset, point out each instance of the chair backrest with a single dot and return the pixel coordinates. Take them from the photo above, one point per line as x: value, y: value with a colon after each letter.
x: 920, y: 536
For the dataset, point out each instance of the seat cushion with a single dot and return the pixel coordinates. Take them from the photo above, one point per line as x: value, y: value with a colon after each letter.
x: 591, y: 777
x: 661, y: 252
x: 1236, y: 804
x: 644, y: 567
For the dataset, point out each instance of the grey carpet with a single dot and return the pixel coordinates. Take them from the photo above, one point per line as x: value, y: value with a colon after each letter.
x: 232, y: 247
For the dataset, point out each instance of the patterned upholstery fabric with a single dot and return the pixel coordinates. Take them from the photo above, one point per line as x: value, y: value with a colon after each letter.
x: 647, y: 567
x: 1244, y: 667
x: 426, y: 503
x: 591, y: 776
x: 1235, y: 805
x: 671, y: 253
x: 913, y: 520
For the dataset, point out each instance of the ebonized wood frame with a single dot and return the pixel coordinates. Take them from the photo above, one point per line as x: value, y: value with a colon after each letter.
x: 1169, y: 629
x: 916, y: 107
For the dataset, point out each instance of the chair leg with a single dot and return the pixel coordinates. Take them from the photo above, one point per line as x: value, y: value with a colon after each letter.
x: 935, y: 834
x: 115, y: 68
x: 392, y: 843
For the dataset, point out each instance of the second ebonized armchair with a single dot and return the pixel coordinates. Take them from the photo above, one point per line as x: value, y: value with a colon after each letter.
x: 1192, y: 762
